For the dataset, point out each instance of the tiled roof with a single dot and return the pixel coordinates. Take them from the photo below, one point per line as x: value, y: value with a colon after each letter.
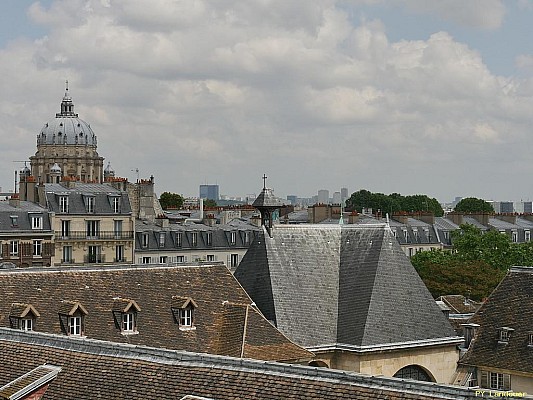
x: 344, y: 285
x: 94, y: 292
x: 28, y: 382
x: 509, y: 305
x: 459, y: 304
x: 92, y: 369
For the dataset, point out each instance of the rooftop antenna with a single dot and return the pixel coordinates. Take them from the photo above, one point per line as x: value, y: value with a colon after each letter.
x: 264, y: 181
x: 16, y: 180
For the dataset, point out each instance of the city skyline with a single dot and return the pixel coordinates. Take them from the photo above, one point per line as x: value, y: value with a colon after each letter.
x: 403, y: 96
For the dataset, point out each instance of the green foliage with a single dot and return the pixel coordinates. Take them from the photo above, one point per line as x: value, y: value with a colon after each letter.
x: 210, y: 203
x: 476, y: 265
x: 393, y: 203
x: 170, y: 200
x: 473, y: 205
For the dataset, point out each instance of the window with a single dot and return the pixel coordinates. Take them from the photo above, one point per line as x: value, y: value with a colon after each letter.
x: 246, y: 237
x: 446, y: 235
x: 26, y: 324
x: 410, y: 251
x: 413, y: 372
x: 37, y: 248
x: 119, y: 253
x: 67, y: 254
x: 94, y: 255
x: 161, y: 239
x: 179, y: 239
x: 514, y: 236
x: 234, y: 260
x: 116, y: 205
x: 185, y: 317
x: 233, y: 238
x: 65, y: 228
x: 415, y: 233
x: 527, y: 236
x: 194, y: 238
x: 499, y: 381
x: 146, y: 260
x: 180, y: 259
x: 211, y: 257
x: 90, y: 204
x: 63, y: 204
x: 74, y: 326
x: 504, y: 333
x: 405, y: 235
x: 530, y: 339
x: 117, y: 227
x: 128, y: 322
x: 14, y: 248
x: 93, y: 228
x: 144, y: 239
x: 163, y: 259
x: 209, y: 238
x: 37, y: 222
x: 14, y: 220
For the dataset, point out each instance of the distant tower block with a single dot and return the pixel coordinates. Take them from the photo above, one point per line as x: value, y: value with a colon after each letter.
x: 267, y: 204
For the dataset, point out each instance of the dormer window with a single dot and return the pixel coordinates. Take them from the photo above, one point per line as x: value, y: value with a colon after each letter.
x: 504, y: 333
x: 405, y: 235
x: 14, y: 221
x: 161, y: 239
x: 115, y: 204
x: 72, y: 318
x: 179, y: 239
x: 233, y: 238
x: 144, y: 239
x: 63, y: 204
x: 125, y: 314
x: 89, y: 203
x: 209, y: 238
x: 415, y: 233
x: 36, y: 222
x: 23, y: 316
x: 530, y: 339
x: 194, y: 239
x: 183, y: 311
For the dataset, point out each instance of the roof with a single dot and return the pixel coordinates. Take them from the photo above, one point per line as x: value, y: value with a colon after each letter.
x: 102, y: 193
x: 501, y: 224
x: 509, y: 305
x: 266, y: 199
x: 347, y: 286
x: 21, y: 386
x: 23, y: 213
x: 459, y: 304
x: 95, y: 293
x: 92, y: 369
x: 445, y: 224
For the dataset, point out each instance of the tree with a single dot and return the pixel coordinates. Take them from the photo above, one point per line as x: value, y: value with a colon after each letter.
x: 170, y: 200
x: 210, y: 203
x: 473, y: 205
x: 393, y: 203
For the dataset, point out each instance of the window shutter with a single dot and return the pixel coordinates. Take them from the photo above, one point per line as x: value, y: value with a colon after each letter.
x: 506, y: 382
x: 484, y: 379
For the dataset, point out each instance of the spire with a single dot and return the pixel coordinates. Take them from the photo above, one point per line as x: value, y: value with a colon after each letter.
x: 67, y: 106
x: 267, y: 204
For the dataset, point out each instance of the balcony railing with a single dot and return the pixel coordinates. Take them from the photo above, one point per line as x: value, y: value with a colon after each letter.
x: 77, y: 235
x: 94, y: 258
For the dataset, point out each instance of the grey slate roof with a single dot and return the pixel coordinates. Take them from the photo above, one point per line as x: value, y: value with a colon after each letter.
x: 102, y: 193
x: 340, y: 285
x: 23, y: 214
x: 267, y: 199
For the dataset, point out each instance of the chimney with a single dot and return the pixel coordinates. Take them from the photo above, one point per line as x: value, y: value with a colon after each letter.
x: 511, y: 218
x: 353, y: 218
x: 457, y: 218
x: 427, y: 217
x: 401, y: 218
x: 14, y: 200
x: 482, y: 218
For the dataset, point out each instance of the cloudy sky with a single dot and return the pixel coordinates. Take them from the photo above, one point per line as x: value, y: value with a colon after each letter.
x: 408, y: 96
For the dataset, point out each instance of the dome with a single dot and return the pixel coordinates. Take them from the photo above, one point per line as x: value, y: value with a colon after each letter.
x: 109, y: 171
x: 25, y: 171
x: 55, y: 169
x: 67, y: 128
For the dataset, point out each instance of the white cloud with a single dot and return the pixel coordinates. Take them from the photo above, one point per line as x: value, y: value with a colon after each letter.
x: 223, y: 91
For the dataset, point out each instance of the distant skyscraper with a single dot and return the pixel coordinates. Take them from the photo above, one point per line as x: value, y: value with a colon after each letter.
x: 344, y: 194
x: 337, y: 198
x: 293, y: 199
x: 323, y: 196
x: 209, y: 192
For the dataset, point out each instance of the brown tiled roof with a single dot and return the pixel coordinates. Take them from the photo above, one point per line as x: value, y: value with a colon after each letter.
x: 93, y: 369
x: 154, y: 290
x: 28, y: 382
x: 509, y: 305
x: 21, y: 310
x: 459, y: 304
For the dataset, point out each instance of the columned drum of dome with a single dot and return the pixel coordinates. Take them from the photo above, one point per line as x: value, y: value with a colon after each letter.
x: 69, y: 143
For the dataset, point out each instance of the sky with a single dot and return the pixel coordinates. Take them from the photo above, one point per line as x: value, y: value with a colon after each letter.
x: 406, y: 96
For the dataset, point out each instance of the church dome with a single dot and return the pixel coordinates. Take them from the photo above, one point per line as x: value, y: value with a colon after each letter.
x: 67, y: 128
x: 55, y: 169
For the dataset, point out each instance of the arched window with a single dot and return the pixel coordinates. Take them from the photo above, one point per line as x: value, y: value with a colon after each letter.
x: 414, y: 372
x: 318, y: 363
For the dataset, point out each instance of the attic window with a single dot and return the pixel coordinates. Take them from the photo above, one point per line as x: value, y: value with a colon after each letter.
x: 125, y: 314
x: 14, y: 221
x: 183, y: 311
x: 36, y: 222
x: 233, y: 238
x: 209, y: 238
x: 194, y: 239
x: 89, y: 203
x: 530, y: 339
x: 144, y: 238
x: 504, y: 333
x: 179, y: 239
x: 23, y: 316
x: 161, y: 239
x: 72, y: 318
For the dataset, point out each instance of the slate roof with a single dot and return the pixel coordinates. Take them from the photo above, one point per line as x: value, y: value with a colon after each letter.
x: 266, y: 199
x: 94, y: 293
x: 501, y: 224
x: 340, y: 285
x: 92, y: 369
x: 509, y: 305
x: 23, y: 213
x: 102, y: 193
